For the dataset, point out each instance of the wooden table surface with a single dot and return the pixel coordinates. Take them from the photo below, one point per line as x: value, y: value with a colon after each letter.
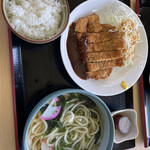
x: 7, y: 135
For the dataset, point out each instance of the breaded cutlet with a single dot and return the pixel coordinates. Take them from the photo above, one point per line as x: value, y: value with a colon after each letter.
x: 104, y: 46
x: 94, y: 23
x: 95, y: 66
x: 114, y: 44
x: 104, y: 56
x: 107, y: 27
x: 81, y: 25
x: 102, y: 36
x: 101, y: 74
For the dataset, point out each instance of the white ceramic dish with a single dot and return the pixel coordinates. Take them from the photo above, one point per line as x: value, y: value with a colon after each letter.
x: 129, y: 74
x: 133, y: 132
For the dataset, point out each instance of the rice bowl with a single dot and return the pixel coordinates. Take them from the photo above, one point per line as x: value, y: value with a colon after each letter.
x: 38, y: 21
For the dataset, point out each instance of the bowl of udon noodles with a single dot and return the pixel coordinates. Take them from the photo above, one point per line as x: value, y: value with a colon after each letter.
x: 69, y: 119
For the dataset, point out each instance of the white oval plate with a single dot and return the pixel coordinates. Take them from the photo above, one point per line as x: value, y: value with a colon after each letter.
x: 129, y: 74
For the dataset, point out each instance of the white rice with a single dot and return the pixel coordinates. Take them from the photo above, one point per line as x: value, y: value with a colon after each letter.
x: 35, y: 19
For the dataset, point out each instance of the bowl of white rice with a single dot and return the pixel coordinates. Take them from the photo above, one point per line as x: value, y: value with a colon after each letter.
x: 36, y: 21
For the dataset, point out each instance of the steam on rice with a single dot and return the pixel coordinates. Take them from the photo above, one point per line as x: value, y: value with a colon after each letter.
x: 35, y: 19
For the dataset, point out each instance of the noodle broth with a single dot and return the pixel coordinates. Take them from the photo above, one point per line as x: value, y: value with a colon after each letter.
x: 77, y: 126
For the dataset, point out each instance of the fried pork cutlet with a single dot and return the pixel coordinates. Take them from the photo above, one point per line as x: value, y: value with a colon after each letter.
x: 102, y: 36
x: 94, y: 27
x: 81, y: 25
x: 108, y: 28
x: 114, y: 44
x: 105, y: 64
x: 100, y: 74
x: 103, y: 46
x: 104, y: 56
x: 79, y: 35
x: 93, y: 18
x: 94, y: 23
x: 88, y: 24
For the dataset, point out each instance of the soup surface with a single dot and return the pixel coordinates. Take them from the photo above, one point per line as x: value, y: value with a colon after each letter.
x: 69, y: 122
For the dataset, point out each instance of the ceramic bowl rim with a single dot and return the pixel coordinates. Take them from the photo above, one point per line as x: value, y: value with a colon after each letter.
x: 32, y: 40
x: 43, y: 101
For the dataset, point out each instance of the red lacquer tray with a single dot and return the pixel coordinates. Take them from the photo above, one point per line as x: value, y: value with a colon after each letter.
x: 38, y: 70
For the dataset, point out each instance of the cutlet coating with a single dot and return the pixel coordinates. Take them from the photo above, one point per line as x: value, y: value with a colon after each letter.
x: 114, y: 44
x: 94, y: 27
x: 104, y: 56
x: 107, y: 27
x: 105, y: 64
x: 81, y: 25
x: 104, y: 46
x: 100, y: 74
x: 93, y: 23
x: 90, y: 24
x: 79, y: 35
x: 93, y: 18
x: 102, y: 36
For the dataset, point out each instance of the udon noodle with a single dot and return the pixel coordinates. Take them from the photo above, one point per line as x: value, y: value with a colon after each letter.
x: 78, y: 126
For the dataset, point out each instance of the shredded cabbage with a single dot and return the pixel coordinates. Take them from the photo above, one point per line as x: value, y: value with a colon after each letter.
x: 124, y: 19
